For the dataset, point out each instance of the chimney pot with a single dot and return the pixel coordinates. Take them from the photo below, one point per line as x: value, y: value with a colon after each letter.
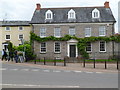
x: 38, y: 6
x: 106, y: 4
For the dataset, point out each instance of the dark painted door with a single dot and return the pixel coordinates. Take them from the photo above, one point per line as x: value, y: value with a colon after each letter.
x: 72, y: 50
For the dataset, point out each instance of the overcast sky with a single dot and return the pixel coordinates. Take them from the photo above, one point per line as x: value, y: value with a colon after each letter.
x: 24, y: 9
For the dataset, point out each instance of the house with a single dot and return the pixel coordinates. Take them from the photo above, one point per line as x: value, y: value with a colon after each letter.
x: 80, y: 22
x: 13, y: 31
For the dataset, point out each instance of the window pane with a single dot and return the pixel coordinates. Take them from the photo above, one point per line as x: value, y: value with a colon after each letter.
x: 7, y: 36
x: 8, y: 28
x: 88, y: 47
x: 57, y: 47
x: 102, y: 31
x: 43, y: 32
x: 43, y: 47
x: 48, y: 15
x: 20, y: 28
x: 87, y: 32
x: 57, y: 32
x: 102, y: 46
x: 21, y: 36
x: 72, y: 31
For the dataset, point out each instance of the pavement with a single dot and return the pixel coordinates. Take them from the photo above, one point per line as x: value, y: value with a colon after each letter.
x: 100, y: 67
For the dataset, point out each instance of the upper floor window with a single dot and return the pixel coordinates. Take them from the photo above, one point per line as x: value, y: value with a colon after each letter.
x: 102, y: 46
x: 57, y: 32
x: 43, y: 48
x: 42, y: 32
x: 72, y: 31
x: 95, y: 13
x: 49, y: 14
x: 102, y: 31
x: 20, y: 28
x: 57, y: 47
x: 7, y: 28
x: 87, y: 32
x: 7, y: 37
x: 71, y: 14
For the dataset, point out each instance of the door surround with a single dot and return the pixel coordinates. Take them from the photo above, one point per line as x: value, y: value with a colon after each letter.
x: 72, y: 42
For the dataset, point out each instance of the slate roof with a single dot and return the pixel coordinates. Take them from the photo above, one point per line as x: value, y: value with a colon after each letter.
x: 83, y: 15
x: 14, y: 23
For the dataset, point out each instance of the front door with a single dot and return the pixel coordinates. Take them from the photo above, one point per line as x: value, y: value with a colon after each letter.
x: 72, y: 50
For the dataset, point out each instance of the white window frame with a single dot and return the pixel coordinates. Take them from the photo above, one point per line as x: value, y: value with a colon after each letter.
x: 49, y: 12
x: 102, y: 31
x: 6, y: 35
x: 42, y: 33
x: 95, y: 13
x: 90, y: 46
x: 57, y: 32
x: 7, y: 27
x: 72, y: 29
x: 71, y: 14
x: 20, y: 29
x: 87, y: 32
x: 43, y: 47
x: 104, y: 45
x: 19, y: 37
x: 55, y: 47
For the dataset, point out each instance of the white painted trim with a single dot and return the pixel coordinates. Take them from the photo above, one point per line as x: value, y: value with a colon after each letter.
x: 48, y: 12
x: 68, y: 47
x: 6, y: 29
x: 46, y: 48
x: 74, y: 15
x: 19, y: 28
x: 7, y: 39
x: 91, y: 48
x: 54, y: 47
x: 99, y: 46
x: 60, y: 32
x: 20, y: 34
x: 95, y: 11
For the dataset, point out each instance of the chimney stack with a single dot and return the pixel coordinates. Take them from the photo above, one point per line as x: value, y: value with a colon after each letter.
x: 38, y: 6
x: 106, y: 4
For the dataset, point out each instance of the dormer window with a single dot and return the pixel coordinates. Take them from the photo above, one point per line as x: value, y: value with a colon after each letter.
x: 95, y: 13
x: 49, y: 14
x: 71, y: 14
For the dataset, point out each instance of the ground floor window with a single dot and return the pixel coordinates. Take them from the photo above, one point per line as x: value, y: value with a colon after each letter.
x: 57, y: 47
x: 102, y: 46
x: 43, y: 47
x: 89, y: 47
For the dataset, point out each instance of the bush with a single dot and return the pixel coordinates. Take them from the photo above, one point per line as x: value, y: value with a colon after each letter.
x: 28, y: 51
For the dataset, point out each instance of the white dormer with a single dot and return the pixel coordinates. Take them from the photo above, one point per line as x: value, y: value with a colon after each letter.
x: 95, y: 13
x: 71, y: 14
x: 49, y: 14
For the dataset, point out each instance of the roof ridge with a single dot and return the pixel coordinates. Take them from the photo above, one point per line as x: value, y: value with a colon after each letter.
x: 73, y: 7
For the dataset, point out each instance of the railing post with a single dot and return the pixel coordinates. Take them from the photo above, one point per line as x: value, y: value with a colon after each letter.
x: 117, y: 64
x: 105, y: 64
x: 44, y: 61
x: 54, y: 61
x: 35, y: 61
x: 94, y: 63
x: 84, y: 63
x: 64, y: 62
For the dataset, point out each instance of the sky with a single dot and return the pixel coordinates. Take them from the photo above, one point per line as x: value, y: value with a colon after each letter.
x: 24, y: 9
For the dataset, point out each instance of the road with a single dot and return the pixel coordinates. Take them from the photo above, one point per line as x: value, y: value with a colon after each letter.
x: 21, y: 76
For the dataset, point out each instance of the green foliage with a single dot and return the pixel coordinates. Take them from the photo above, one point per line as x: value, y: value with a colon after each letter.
x: 28, y: 51
x: 81, y: 41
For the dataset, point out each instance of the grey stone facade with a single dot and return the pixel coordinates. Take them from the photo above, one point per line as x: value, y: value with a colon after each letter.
x: 83, y: 20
